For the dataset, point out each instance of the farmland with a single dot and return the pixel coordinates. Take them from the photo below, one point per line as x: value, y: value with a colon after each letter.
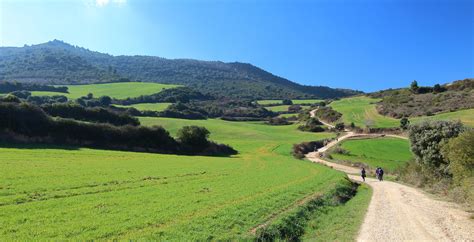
x: 119, y: 90
x: 76, y: 193
x: 147, y: 106
x: 361, y: 110
x: 387, y: 152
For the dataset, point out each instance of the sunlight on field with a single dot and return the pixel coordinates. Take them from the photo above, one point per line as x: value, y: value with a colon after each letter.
x: 295, y: 101
x: 53, y: 193
x: 388, y: 153
x: 282, y: 108
x: 118, y: 90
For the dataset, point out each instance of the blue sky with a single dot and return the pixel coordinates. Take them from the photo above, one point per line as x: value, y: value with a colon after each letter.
x: 359, y: 44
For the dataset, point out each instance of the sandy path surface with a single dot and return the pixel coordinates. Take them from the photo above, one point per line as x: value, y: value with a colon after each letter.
x: 398, y: 213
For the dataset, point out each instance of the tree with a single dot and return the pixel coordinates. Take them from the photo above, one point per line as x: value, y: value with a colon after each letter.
x: 90, y: 96
x: 105, y: 100
x: 460, y: 153
x: 426, y: 140
x: 339, y: 126
x: 294, y: 108
x: 414, y: 86
x: 352, y: 125
x: 287, y: 102
x: 194, y: 136
x: 404, y: 123
x: 438, y: 88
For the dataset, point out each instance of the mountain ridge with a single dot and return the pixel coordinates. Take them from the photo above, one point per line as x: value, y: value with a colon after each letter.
x: 57, y: 62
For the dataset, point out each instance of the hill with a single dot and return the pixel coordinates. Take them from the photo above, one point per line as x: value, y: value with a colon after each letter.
x: 56, y: 62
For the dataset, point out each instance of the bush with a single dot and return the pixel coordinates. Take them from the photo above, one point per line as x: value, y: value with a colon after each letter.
x: 278, y: 121
x: 287, y: 102
x: 426, y: 140
x: 301, y: 149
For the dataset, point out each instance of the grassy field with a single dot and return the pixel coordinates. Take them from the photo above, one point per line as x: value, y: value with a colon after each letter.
x: 361, y: 110
x: 295, y: 101
x: 282, y: 108
x: 56, y: 193
x: 147, y: 106
x: 118, y: 90
x: 287, y: 115
x: 340, y: 223
x: 387, y: 152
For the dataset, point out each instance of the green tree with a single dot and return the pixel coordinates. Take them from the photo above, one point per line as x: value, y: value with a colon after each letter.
x: 105, y: 100
x: 287, y: 102
x: 194, y: 136
x: 340, y: 126
x: 404, y: 123
x: 414, y: 86
x: 426, y: 140
x: 460, y: 153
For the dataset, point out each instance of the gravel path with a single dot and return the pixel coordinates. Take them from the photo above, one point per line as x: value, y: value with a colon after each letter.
x: 398, y: 213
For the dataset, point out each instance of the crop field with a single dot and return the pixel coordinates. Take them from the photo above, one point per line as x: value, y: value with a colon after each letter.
x: 387, y: 152
x: 282, y: 108
x: 147, y: 106
x: 361, y: 110
x: 295, y: 101
x: 119, y: 90
x: 57, y: 193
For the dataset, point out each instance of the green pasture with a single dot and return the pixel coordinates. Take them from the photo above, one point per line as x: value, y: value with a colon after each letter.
x: 119, y: 90
x: 361, y: 110
x: 60, y: 193
x: 386, y: 152
x: 147, y: 106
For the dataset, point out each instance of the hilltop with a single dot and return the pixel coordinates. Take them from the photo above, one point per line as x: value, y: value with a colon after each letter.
x: 57, y: 62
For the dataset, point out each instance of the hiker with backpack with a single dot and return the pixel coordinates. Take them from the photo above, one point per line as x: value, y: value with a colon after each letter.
x: 380, y: 174
x: 362, y: 174
x: 377, y: 172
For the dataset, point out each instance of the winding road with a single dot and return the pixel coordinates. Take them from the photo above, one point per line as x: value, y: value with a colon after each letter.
x: 398, y: 213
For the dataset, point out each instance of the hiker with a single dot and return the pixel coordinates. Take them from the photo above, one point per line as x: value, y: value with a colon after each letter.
x: 377, y: 172
x: 380, y: 174
x: 362, y: 173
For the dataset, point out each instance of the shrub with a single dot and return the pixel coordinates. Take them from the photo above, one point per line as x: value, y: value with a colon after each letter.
x: 287, y: 102
x: 278, y: 121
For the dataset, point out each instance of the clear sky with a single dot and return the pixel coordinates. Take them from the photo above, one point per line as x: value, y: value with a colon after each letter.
x: 360, y: 44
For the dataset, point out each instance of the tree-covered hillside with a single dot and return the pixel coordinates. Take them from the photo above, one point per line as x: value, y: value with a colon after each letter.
x: 56, y: 62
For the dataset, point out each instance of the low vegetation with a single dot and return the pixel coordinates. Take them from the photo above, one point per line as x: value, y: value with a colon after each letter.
x: 443, y: 164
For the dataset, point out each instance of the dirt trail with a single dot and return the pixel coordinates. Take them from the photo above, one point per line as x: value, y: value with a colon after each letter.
x: 398, y: 213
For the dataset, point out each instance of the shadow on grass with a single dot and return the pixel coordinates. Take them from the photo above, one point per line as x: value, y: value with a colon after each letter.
x: 37, y: 146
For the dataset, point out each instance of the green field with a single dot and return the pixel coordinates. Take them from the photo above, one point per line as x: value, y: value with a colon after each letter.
x: 361, y: 110
x: 119, y: 90
x: 387, y: 152
x: 295, y: 101
x: 287, y: 115
x: 340, y: 223
x: 56, y: 194
x: 147, y: 106
x: 282, y: 108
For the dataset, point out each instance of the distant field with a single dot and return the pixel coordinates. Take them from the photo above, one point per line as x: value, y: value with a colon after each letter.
x: 147, y: 106
x: 57, y: 194
x: 118, y: 90
x: 388, y: 153
x: 361, y: 110
x: 282, y: 108
x: 295, y: 101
